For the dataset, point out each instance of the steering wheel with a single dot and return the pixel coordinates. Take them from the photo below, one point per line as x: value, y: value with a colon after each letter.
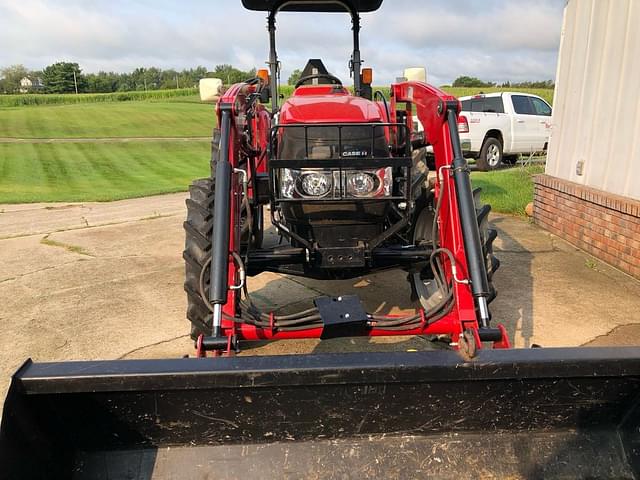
x: 334, y: 80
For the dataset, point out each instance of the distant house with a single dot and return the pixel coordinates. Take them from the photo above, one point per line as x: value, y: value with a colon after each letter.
x: 32, y: 84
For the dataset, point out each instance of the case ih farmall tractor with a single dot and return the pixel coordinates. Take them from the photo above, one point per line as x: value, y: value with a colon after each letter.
x: 347, y: 196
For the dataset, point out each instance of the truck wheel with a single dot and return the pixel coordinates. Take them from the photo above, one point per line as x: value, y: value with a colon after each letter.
x: 490, y: 154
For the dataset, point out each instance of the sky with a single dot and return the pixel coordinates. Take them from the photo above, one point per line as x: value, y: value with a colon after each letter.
x: 495, y: 40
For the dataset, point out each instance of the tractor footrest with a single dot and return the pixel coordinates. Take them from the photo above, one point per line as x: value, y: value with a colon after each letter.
x: 342, y: 316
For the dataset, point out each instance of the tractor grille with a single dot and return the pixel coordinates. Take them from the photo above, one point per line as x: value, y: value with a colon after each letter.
x: 330, y: 142
x: 341, y: 148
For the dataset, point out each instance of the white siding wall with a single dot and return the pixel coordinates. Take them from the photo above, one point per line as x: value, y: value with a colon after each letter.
x: 596, y: 109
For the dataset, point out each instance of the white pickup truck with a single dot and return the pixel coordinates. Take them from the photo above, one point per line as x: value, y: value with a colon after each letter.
x: 496, y: 127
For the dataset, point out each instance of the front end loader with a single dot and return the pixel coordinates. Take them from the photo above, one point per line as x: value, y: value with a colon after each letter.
x: 337, y: 174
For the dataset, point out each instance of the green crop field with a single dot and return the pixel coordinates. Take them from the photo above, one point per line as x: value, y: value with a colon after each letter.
x: 66, y: 99
x: 545, y: 93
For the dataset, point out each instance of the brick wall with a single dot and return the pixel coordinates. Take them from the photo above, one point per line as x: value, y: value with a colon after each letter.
x: 606, y: 226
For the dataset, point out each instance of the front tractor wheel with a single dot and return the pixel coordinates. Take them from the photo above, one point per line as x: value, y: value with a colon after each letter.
x: 197, y: 252
x: 198, y: 237
x: 423, y: 285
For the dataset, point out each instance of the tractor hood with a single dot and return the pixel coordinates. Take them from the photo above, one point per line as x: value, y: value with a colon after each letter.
x: 315, y: 104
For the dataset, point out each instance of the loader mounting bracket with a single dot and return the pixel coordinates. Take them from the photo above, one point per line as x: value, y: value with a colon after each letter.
x: 226, y: 345
x: 342, y: 316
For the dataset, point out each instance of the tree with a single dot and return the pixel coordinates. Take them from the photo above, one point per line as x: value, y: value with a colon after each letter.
x: 465, y: 81
x: 294, y: 77
x: 59, y: 78
x: 11, y: 77
x: 530, y: 84
x: 230, y: 75
x: 102, y: 82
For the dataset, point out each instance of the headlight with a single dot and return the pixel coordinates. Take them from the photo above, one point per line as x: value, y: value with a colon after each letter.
x: 323, y: 183
x: 304, y: 184
x: 361, y: 184
x: 315, y: 184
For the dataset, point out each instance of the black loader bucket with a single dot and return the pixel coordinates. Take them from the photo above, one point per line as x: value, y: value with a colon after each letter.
x: 538, y: 413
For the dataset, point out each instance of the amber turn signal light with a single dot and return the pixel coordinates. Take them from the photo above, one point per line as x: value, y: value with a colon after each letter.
x: 367, y: 76
x: 263, y: 74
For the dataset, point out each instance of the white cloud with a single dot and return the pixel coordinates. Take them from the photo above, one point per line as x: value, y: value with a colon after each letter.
x: 491, y: 39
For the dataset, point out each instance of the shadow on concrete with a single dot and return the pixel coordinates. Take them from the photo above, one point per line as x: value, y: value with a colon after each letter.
x: 514, y: 282
x: 388, y: 292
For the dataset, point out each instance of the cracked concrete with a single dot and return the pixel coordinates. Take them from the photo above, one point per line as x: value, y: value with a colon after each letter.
x: 622, y: 335
x: 43, y: 218
x: 125, y: 299
x: 67, y: 246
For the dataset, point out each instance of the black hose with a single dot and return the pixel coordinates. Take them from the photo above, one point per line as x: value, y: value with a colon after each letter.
x: 378, y: 93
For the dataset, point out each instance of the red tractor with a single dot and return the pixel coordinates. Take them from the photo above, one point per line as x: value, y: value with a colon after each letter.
x: 349, y: 198
x: 347, y: 195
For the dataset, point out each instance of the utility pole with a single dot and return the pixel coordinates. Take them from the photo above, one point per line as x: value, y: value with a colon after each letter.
x: 75, y: 81
x: 177, y: 84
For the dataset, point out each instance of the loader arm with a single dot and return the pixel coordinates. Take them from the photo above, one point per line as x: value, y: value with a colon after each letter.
x: 458, y: 228
x: 459, y: 249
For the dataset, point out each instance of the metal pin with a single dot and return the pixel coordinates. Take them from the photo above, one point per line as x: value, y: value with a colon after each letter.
x: 217, y: 318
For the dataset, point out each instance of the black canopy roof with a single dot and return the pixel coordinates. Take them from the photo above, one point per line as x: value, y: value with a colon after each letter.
x: 312, y: 5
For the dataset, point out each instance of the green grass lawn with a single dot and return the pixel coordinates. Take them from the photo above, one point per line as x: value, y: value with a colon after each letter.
x: 66, y: 172
x: 98, y: 171
x: 508, y: 190
x: 40, y: 172
x: 176, y: 117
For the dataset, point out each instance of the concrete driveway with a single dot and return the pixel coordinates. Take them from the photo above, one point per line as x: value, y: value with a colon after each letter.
x: 104, y: 281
